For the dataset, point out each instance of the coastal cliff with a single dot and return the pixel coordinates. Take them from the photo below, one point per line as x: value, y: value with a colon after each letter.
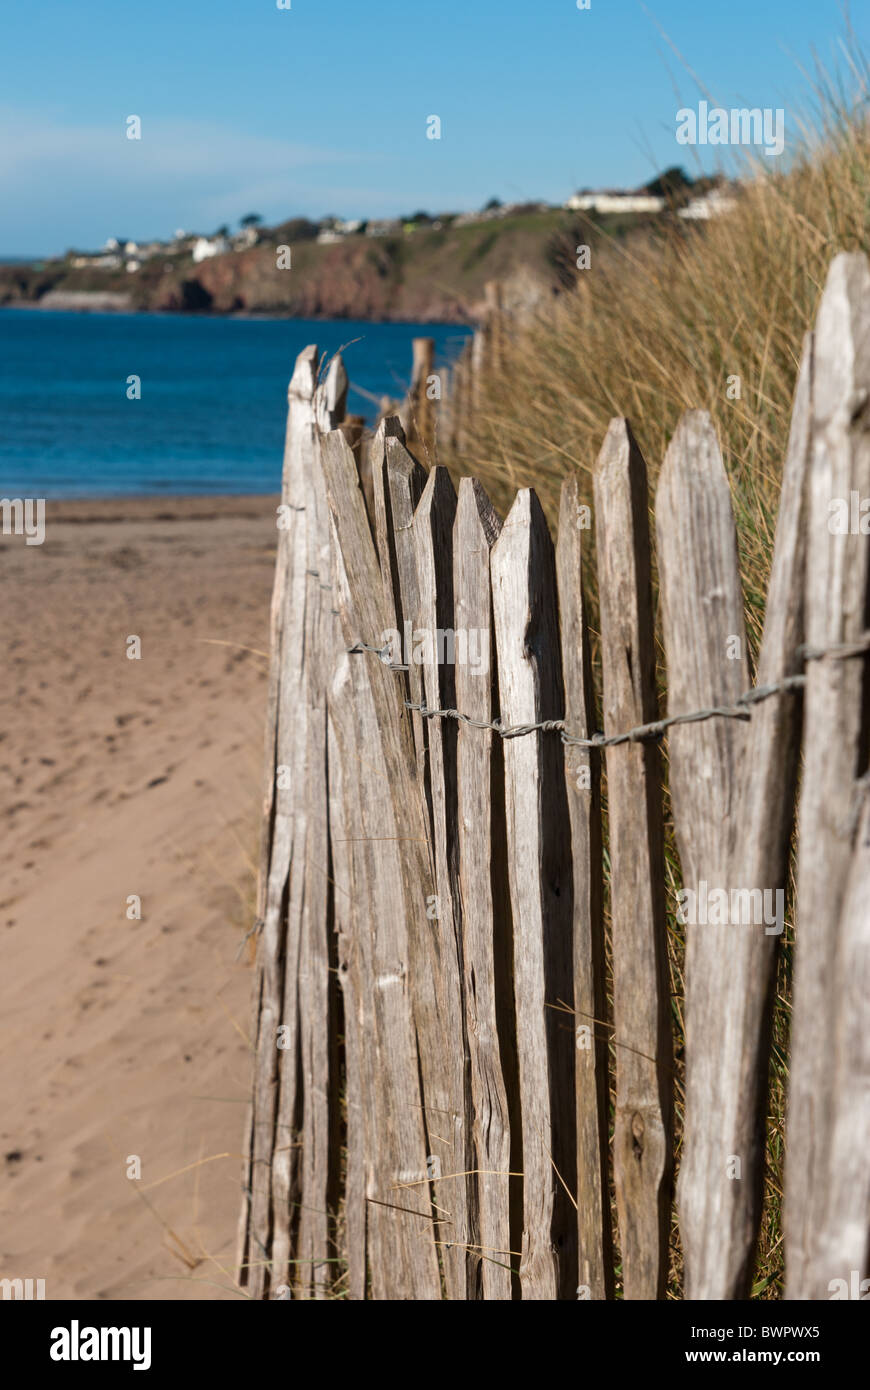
x: 427, y: 275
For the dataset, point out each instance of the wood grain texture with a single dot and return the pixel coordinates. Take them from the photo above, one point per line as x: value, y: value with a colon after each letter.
x: 277, y: 615
x: 437, y: 984
x: 354, y: 978
x: 530, y: 684
x: 841, y: 1246
x: 405, y: 480
x: 419, y: 405
x: 434, y: 979
x: 707, y: 661
x: 449, y: 1133
x: 316, y: 982
x: 391, y: 880
x: 353, y: 427
x: 383, y: 514
x: 273, y: 1169
x: 401, y: 1253
x: 642, y: 1155
x: 486, y: 925
x: 459, y: 400
x: 730, y: 984
x: 837, y: 714
x: 583, y: 782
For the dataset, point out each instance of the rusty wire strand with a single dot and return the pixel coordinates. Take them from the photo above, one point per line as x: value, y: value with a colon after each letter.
x: 839, y: 651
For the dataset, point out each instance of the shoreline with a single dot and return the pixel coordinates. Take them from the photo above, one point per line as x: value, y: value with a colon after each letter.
x: 82, y: 309
x: 113, y: 508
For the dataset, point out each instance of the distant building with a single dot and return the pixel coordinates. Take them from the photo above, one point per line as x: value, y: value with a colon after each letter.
x: 133, y: 266
x: 389, y: 226
x: 514, y: 209
x: 329, y: 236
x: 468, y: 219
x: 112, y: 261
x: 613, y: 200
x: 246, y: 238
x: 712, y: 204
x: 205, y: 247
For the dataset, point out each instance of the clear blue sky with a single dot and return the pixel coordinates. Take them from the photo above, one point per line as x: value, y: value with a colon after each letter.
x: 322, y: 108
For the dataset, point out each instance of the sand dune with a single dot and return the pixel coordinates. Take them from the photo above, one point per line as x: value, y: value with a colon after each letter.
x: 120, y: 777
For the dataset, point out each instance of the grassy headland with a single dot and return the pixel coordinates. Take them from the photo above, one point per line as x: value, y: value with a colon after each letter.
x: 427, y: 274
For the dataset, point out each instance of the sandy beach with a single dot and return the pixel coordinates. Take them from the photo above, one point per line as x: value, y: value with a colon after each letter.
x: 123, y: 1036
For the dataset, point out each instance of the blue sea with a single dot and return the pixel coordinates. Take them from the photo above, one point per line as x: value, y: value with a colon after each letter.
x: 214, y: 397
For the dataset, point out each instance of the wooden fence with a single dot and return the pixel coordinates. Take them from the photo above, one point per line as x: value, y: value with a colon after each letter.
x: 482, y: 353
x: 434, y: 1113
x: 439, y: 405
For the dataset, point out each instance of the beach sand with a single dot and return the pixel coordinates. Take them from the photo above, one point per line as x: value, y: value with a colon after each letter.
x: 123, y: 1037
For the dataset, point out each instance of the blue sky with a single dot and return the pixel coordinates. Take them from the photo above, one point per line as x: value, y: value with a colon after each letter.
x: 322, y: 108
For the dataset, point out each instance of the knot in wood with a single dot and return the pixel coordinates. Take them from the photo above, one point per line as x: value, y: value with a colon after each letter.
x: 637, y: 1135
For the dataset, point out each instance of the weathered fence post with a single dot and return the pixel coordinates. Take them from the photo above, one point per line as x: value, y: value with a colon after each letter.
x: 404, y: 480
x: 530, y: 691
x: 355, y: 978
x: 272, y: 1174
x: 840, y: 1259
x: 353, y: 429
x: 316, y: 978
x: 583, y: 779
x: 433, y: 539
x: 460, y: 399
x: 705, y: 644
x: 486, y: 927
x: 420, y: 405
x: 494, y: 325
x: 391, y: 883
x: 826, y: 1175
x: 730, y: 967
x: 642, y: 1156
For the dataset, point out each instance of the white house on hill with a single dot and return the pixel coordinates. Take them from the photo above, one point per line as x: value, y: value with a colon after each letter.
x: 204, y: 247
x: 712, y: 204
x: 613, y: 200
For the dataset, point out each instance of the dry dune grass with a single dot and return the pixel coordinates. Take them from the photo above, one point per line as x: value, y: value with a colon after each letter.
x: 658, y: 325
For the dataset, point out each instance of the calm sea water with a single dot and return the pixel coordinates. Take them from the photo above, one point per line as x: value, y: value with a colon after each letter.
x: 214, y: 397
